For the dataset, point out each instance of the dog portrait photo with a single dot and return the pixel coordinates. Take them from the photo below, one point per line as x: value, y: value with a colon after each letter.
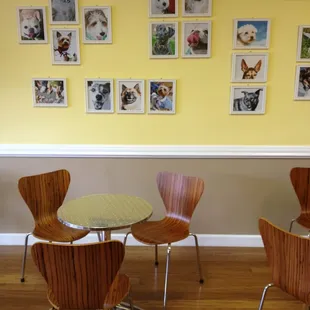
x: 163, y: 8
x: 31, y: 25
x: 99, y: 96
x: 130, y: 96
x: 248, y: 100
x: 161, y: 96
x: 65, y: 46
x: 97, y: 25
x: 163, y: 40
x: 196, y: 40
x: 49, y: 92
x: 251, y: 33
x: 249, y: 67
x: 64, y: 12
x: 302, y: 83
x: 197, y: 7
x: 303, y: 50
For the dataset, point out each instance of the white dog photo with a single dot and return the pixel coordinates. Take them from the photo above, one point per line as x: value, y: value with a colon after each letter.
x: 163, y: 8
x: 197, y: 7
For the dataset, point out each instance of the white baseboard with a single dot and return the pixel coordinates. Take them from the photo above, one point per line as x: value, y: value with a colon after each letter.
x: 203, y: 239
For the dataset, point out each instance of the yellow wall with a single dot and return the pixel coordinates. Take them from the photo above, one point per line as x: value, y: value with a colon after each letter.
x: 203, y: 87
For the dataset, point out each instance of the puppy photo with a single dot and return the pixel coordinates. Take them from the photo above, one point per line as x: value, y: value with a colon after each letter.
x: 130, y: 96
x: 163, y: 40
x: 99, y: 95
x: 65, y: 47
x: 31, y: 25
x: 64, y: 12
x: 161, y: 96
x: 197, y: 7
x: 97, y: 25
x: 251, y: 33
x: 163, y: 8
x: 303, y: 51
x: 196, y: 40
x: 302, y: 83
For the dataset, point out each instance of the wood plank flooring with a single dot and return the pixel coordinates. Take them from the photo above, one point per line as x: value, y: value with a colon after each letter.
x: 234, y: 279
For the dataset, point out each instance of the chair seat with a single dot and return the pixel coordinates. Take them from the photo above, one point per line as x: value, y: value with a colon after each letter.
x: 168, y: 230
x: 304, y: 220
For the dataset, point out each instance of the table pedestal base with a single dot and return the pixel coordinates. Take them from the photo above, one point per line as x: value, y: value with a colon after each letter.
x: 126, y: 306
x: 104, y: 236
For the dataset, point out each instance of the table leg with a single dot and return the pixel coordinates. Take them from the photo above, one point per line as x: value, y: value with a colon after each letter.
x: 100, y: 236
x: 107, y: 235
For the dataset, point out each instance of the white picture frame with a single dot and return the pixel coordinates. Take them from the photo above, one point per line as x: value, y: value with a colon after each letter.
x: 130, y: 96
x: 157, y: 8
x: 241, y: 104
x: 49, y: 92
x: 302, y: 83
x: 161, y: 96
x: 249, y: 67
x: 57, y: 17
x: 189, y: 32
x: 192, y: 9
x: 29, y: 19
x: 59, y: 42
x: 102, y: 16
x: 303, y: 43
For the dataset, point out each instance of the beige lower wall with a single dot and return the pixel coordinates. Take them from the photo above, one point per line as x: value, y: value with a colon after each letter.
x: 237, y: 191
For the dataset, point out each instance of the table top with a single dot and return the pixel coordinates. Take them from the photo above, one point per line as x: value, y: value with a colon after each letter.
x: 104, y: 212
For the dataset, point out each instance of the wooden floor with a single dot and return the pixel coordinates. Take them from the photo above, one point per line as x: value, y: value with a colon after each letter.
x: 234, y: 279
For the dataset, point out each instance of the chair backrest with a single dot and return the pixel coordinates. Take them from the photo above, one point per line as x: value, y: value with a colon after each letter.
x: 79, y: 275
x: 300, y: 178
x: 180, y: 194
x: 44, y: 193
x: 289, y: 258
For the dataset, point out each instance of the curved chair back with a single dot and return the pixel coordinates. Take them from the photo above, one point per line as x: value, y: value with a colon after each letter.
x: 289, y: 258
x: 180, y: 194
x: 79, y: 275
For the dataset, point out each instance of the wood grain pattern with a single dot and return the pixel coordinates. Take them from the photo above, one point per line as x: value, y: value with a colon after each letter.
x: 289, y: 259
x: 82, y: 276
x: 44, y: 194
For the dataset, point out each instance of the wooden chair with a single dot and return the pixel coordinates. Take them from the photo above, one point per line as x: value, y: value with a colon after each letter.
x: 289, y: 257
x: 83, y: 276
x: 180, y: 195
x: 44, y: 194
x: 300, y: 178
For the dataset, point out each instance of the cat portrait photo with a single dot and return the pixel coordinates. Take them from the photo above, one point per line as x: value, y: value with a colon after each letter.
x: 196, y: 41
x: 163, y: 8
x: 99, y: 95
x: 97, y: 25
x: 161, y: 96
x: 249, y: 67
x: 248, y: 100
x: 197, y: 8
x: 65, y: 46
x: 31, y: 26
x: 163, y: 40
x: 130, y: 96
x: 302, y: 83
x: 251, y: 34
x: 64, y: 12
x: 49, y: 92
x: 303, y: 49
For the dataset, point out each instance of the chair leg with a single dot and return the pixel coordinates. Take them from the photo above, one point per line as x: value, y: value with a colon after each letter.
x: 201, y: 280
x: 130, y: 300
x: 166, y: 277
x: 22, y: 279
x: 125, y: 239
x: 291, y: 225
x: 156, y: 255
x: 264, y: 295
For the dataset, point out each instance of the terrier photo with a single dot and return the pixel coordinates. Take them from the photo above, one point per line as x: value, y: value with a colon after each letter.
x: 197, y: 7
x: 64, y: 11
x: 163, y: 8
x: 302, y: 83
x: 303, y: 52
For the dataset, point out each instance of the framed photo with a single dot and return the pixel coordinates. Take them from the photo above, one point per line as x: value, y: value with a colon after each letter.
x: 303, y: 49
x: 130, y: 96
x: 64, y: 12
x: 197, y: 8
x: 32, y: 27
x: 249, y: 67
x: 97, y: 24
x: 196, y: 40
x: 65, y: 44
x: 99, y: 95
x: 251, y: 33
x: 161, y: 96
x: 49, y: 92
x: 163, y: 8
x: 163, y: 39
x: 302, y: 83
x: 248, y: 100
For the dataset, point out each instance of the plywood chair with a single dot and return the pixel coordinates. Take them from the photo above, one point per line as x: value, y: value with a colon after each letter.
x: 44, y: 194
x: 83, y: 276
x: 288, y: 256
x: 300, y: 178
x: 180, y: 195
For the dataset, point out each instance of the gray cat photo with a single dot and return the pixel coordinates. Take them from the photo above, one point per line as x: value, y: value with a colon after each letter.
x: 63, y: 11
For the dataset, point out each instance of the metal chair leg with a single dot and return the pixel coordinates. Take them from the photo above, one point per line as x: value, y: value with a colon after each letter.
x: 264, y: 295
x: 130, y: 300
x: 125, y: 239
x: 201, y: 280
x: 166, y: 277
x: 156, y: 255
x: 22, y: 279
x: 291, y: 225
